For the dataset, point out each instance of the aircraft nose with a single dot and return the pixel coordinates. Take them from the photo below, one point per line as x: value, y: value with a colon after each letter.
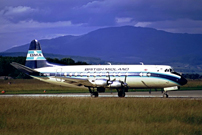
x: 182, y: 81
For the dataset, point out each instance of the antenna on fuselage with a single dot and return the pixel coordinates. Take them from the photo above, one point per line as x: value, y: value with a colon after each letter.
x: 109, y: 63
x: 141, y: 63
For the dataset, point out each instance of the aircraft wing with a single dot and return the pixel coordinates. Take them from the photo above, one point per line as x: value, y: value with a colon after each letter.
x: 75, y: 81
x: 71, y: 81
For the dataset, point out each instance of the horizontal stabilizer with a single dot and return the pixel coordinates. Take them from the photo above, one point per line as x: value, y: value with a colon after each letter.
x: 25, y: 69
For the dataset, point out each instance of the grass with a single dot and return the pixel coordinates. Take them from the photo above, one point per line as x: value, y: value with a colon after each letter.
x: 31, y: 86
x: 100, y: 116
x: 95, y: 116
x: 193, y: 85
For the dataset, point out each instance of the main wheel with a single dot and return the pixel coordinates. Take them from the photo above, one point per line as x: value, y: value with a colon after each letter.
x: 94, y: 94
x: 121, y: 94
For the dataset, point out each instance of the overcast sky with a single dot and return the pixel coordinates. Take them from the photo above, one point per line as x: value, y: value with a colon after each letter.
x: 24, y: 20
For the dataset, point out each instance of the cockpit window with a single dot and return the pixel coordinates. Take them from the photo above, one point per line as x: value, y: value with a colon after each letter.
x: 169, y: 70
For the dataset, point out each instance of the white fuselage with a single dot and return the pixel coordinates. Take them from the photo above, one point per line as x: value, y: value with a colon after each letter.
x: 136, y: 76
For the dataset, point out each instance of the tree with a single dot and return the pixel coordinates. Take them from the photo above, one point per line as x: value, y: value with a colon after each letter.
x: 7, y: 70
x: 67, y: 61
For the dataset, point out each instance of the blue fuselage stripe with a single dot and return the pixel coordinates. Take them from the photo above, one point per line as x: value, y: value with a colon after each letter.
x: 169, y: 77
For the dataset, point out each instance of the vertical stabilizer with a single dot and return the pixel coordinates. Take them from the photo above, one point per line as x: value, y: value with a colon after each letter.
x: 35, y: 58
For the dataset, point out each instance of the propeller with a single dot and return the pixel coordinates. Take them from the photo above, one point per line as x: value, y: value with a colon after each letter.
x: 109, y: 81
x: 124, y: 83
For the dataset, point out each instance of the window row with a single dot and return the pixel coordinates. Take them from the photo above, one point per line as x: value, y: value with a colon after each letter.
x: 95, y: 74
x: 88, y: 74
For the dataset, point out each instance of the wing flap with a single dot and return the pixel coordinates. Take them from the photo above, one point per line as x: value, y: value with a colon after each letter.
x: 76, y: 81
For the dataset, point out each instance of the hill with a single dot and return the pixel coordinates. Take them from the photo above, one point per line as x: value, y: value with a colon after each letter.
x: 127, y: 44
x: 90, y: 60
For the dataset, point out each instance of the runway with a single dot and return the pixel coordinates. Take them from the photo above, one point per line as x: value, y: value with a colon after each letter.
x: 158, y: 94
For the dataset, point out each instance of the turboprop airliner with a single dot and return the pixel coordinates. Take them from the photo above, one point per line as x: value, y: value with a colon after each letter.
x: 99, y: 77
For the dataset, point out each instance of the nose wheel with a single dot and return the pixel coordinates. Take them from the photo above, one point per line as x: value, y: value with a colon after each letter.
x: 165, y: 94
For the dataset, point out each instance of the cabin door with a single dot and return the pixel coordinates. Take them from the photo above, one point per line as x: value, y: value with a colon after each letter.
x: 58, y: 74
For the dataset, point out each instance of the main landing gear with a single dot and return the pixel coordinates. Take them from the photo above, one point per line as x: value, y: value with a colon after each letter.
x: 93, y: 92
x: 121, y: 92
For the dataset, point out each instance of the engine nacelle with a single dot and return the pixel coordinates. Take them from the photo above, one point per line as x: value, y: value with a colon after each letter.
x: 115, y: 84
x: 107, y: 83
x: 100, y: 83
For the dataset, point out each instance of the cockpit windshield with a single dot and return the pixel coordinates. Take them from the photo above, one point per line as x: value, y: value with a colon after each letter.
x: 173, y: 72
x: 169, y: 70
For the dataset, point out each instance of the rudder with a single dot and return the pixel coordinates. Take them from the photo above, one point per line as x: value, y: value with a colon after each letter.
x: 35, y: 58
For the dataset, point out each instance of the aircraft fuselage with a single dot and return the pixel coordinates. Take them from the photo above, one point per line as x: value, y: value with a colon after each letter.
x: 136, y: 76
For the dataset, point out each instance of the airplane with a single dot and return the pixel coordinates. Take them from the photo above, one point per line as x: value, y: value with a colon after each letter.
x: 100, y: 77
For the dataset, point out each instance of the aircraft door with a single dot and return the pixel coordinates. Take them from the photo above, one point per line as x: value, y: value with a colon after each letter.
x: 58, y: 74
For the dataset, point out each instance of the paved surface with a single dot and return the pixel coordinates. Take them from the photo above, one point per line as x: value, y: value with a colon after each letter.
x: 172, y: 94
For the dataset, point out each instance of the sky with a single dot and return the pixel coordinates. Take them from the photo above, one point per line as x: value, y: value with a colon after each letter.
x: 24, y: 20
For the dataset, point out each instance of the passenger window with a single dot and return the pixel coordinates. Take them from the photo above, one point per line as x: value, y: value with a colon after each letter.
x: 107, y: 74
x: 75, y: 74
x: 81, y: 74
x: 94, y: 74
x: 88, y: 74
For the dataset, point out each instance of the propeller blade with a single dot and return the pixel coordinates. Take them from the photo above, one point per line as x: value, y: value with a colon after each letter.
x: 125, y: 84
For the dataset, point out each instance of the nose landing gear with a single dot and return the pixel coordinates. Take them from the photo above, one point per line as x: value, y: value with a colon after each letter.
x: 165, y: 94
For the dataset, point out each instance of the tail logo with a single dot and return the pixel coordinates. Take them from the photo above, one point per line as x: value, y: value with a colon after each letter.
x: 35, y: 55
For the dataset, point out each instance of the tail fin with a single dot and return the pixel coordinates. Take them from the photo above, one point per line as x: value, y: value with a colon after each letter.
x: 35, y: 58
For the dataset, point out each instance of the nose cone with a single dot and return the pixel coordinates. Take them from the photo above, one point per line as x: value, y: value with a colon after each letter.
x: 182, y: 81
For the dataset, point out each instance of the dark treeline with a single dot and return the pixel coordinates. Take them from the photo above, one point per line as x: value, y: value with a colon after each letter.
x: 192, y: 76
x: 7, y: 70
x: 66, y: 61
